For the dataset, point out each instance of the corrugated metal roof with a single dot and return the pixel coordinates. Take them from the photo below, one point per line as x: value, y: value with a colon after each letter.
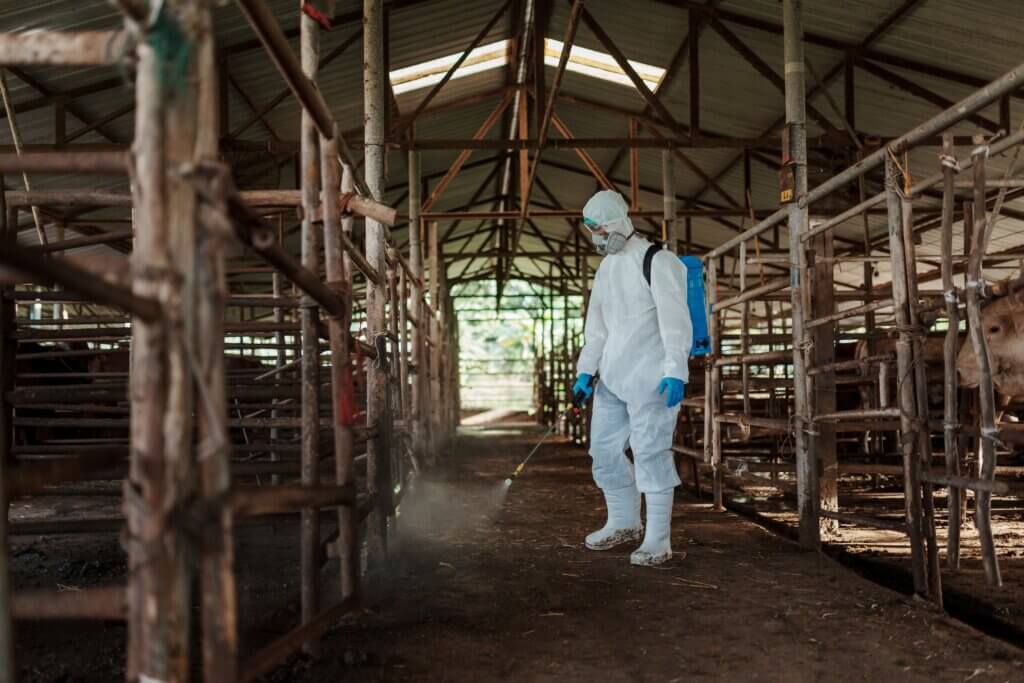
x: 984, y: 38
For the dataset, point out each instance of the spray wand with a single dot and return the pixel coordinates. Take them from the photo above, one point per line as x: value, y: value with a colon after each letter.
x: 578, y: 399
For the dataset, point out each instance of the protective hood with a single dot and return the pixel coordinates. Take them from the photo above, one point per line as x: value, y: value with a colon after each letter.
x: 608, y: 209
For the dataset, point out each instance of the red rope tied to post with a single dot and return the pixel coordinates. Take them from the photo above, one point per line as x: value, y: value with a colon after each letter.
x: 348, y: 411
x: 346, y: 398
x: 343, y: 199
x: 316, y: 15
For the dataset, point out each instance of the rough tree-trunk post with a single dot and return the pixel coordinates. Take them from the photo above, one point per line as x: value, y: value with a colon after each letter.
x: 822, y: 304
x: 309, y: 48
x: 920, y: 380
x: 217, y: 578
x: 418, y: 369
x: 949, y: 349
x: 7, y: 347
x: 378, y: 463
x: 163, y: 267
x: 341, y: 368
x: 348, y: 517
x: 585, y: 288
x: 280, y: 360
x: 986, y: 391
x: 669, y: 200
x: 402, y: 303
x: 434, y: 248
x: 796, y: 117
x: 906, y: 397
x: 967, y: 443
x: 395, y: 391
x: 712, y: 389
x: 744, y: 325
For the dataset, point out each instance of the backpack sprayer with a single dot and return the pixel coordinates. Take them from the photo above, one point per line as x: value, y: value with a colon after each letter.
x: 578, y: 399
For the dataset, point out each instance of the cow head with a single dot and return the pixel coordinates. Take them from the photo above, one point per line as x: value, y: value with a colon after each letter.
x: 1002, y: 323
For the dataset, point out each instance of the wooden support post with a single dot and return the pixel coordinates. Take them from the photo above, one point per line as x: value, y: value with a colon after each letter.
x: 744, y: 325
x: 822, y: 304
x: 906, y: 396
x: 712, y: 392
x: 949, y: 352
x: 402, y: 304
x: 434, y: 247
x: 523, y: 133
x: 986, y: 391
x: 694, y: 55
x: 634, y: 169
x: 160, y: 552
x: 796, y: 119
x: 219, y: 606
x: 378, y: 470
x: 921, y: 394
x: 552, y: 350
x: 309, y: 52
x: 278, y: 292
x: 668, y: 189
x: 341, y: 368
x: 8, y: 233
x: 419, y: 334
x: 395, y: 391
x: 585, y: 288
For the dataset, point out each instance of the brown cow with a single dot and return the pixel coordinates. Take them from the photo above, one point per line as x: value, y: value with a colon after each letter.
x: 933, y: 359
x: 1002, y: 322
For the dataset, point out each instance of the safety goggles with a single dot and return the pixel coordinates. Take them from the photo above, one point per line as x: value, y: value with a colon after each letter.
x: 603, y: 228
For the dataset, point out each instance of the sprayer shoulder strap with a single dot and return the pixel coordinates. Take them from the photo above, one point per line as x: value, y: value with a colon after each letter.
x: 649, y: 260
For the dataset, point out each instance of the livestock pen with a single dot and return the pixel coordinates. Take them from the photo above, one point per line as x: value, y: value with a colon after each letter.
x: 244, y: 247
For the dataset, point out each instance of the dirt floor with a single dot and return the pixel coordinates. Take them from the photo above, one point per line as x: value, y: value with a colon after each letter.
x: 483, y: 587
x: 966, y: 588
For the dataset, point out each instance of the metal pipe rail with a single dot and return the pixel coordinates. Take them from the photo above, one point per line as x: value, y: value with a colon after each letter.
x: 63, y: 48
x: 919, y: 187
x: 76, y: 278
x: 773, y: 357
x: 970, y: 104
x: 849, y: 415
x: 851, y: 364
x: 747, y: 295
x: 848, y: 313
x: 775, y: 424
x: 109, y: 603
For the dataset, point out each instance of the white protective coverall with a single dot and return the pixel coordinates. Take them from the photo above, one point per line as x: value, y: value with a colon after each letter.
x: 635, y: 335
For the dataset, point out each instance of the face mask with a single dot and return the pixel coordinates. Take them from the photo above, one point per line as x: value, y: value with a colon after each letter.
x: 612, y: 243
x: 615, y: 242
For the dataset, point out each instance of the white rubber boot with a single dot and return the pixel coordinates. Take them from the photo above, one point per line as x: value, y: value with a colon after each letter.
x: 657, y: 545
x: 623, y: 523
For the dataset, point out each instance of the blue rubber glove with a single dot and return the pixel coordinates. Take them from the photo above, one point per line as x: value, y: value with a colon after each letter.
x: 583, y: 385
x: 676, y: 390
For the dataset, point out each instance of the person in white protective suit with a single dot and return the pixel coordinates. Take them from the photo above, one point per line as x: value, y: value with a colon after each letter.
x: 638, y: 339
